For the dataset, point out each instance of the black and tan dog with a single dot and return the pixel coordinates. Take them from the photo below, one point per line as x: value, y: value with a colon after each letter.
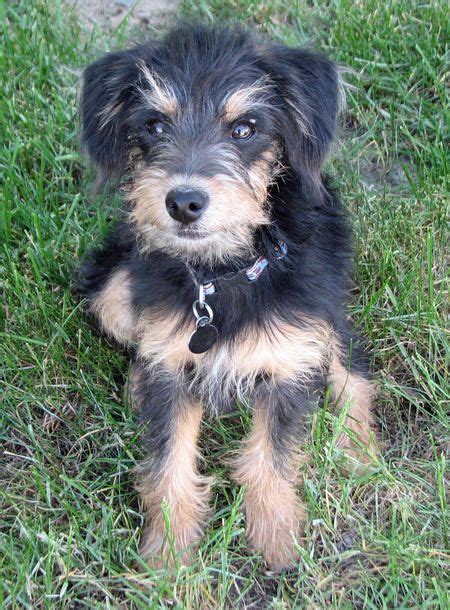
x: 228, y: 275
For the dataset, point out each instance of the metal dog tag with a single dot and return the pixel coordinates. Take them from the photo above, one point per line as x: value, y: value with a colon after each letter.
x: 205, y: 333
x: 203, y: 337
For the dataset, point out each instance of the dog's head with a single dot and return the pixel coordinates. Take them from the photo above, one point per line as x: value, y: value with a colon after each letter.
x: 204, y: 123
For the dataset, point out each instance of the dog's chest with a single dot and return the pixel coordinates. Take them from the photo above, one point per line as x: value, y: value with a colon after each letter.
x: 281, y: 352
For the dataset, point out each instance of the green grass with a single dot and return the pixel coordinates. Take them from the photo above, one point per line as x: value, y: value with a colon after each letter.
x: 69, y: 517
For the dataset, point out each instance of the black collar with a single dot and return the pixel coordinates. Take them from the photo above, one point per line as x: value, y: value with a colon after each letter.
x: 278, y: 251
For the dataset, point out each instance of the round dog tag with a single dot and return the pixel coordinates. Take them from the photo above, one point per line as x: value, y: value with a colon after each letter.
x: 203, y: 337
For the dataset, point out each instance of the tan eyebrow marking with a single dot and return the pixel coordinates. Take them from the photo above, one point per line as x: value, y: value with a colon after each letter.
x: 244, y: 100
x: 161, y: 95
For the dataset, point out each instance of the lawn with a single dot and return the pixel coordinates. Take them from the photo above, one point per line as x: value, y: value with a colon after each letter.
x: 69, y: 516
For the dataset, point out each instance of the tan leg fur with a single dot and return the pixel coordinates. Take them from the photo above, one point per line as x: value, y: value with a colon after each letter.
x: 355, y: 393
x: 183, y: 488
x: 273, y: 512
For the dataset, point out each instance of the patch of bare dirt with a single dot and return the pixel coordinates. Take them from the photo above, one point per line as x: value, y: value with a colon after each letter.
x: 109, y: 14
x: 392, y: 176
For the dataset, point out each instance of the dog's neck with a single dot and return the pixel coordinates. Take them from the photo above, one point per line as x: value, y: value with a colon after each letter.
x: 265, y: 243
x: 213, y: 279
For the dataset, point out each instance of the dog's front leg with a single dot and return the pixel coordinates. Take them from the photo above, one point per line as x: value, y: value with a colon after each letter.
x: 268, y: 466
x: 169, y: 475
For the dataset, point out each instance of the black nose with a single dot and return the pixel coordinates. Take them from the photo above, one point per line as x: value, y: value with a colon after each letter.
x: 186, y: 205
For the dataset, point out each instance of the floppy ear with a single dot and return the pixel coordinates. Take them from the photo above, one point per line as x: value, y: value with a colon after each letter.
x: 107, y: 95
x: 309, y: 86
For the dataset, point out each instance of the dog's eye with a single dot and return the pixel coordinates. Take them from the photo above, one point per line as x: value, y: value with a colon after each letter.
x: 243, y: 131
x: 156, y: 128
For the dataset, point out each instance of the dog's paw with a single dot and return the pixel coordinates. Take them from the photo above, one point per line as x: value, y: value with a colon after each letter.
x: 167, y: 549
x: 359, y: 454
x: 274, y: 529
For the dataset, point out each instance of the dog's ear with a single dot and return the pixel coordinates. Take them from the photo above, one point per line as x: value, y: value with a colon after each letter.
x: 308, y: 84
x: 106, y: 97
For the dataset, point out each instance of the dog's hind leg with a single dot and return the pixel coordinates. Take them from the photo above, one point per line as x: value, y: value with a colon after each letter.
x: 169, y: 475
x: 353, y: 391
x: 112, y: 307
x: 105, y: 281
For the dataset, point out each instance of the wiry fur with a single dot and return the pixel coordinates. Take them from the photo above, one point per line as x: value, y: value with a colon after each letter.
x: 177, y: 481
x: 280, y: 337
x: 275, y: 515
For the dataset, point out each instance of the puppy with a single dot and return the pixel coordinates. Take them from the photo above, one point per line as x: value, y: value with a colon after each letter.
x: 228, y: 273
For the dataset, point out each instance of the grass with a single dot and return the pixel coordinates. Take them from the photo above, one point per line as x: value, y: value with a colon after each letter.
x: 69, y: 518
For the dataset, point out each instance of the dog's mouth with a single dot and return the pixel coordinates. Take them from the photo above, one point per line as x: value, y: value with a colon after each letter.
x: 190, y: 233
